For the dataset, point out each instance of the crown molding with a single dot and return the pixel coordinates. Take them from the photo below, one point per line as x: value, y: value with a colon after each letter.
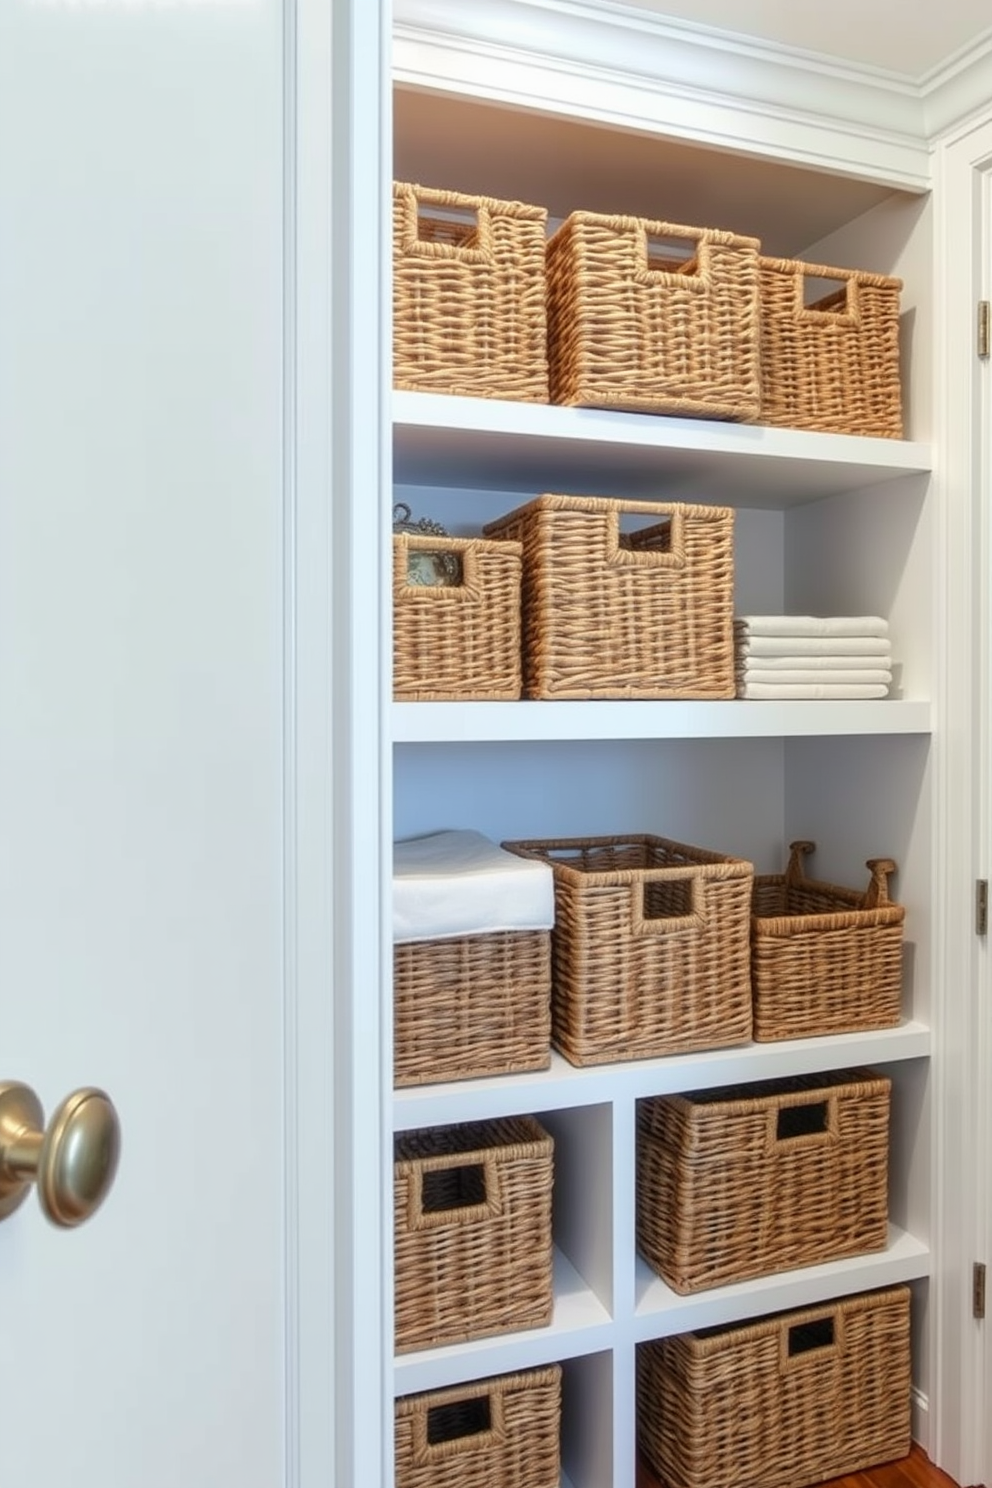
x: 594, y: 59
x: 959, y: 90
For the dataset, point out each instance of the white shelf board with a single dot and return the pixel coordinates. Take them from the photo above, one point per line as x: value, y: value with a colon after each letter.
x: 486, y: 444
x: 565, y: 720
x: 661, y: 1312
x: 580, y: 1325
x: 563, y: 1086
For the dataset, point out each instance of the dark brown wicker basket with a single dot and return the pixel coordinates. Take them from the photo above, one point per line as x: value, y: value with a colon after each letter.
x: 458, y: 641
x: 473, y: 1005
x: 493, y: 1433
x: 762, y: 1178
x: 824, y: 959
x: 653, y: 317
x: 780, y: 1402
x: 472, y: 1231
x: 832, y: 365
x: 469, y: 311
x: 609, y: 613
x: 650, y: 947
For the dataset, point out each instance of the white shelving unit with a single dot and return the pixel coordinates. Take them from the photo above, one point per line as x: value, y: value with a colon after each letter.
x: 827, y: 524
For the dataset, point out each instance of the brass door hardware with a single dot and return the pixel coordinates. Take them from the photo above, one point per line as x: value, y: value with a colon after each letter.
x: 72, y: 1160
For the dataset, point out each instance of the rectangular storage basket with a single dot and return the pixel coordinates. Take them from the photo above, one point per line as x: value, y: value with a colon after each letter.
x: 493, y: 1433
x: 457, y: 641
x: 472, y: 1231
x: 762, y: 1178
x: 609, y: 613
x: 470, y: 1006
x: 824, y: 959
x: 832, y: 365
x: 469, y: 311
x: 653, y: 317
x: 782, y: 1401
x: 650, y: 947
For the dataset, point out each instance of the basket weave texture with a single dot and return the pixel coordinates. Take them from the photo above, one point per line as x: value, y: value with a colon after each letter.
x: 650, y: 950
x: 615, y: 614
x: 462, y: 641
x: 824, y: 959
x: 472, y: 1231
x: 473, y: 1005
x: 492, y: 1433
x: 780, y: 1402
x: 635, y: 324
x: 833, y: 365
x: 469, y: 311
x: 763, y: 1178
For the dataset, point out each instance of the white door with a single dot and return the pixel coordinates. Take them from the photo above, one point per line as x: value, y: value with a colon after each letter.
x: 141, y: 720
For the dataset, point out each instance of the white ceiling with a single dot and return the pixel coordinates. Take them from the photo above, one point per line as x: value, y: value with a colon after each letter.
x: 909, y: 37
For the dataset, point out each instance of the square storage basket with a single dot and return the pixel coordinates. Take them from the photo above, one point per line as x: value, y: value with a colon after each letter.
x: 831, y: 365
x: 824, y: 959
x: 457, y: 641
x: 493, y: 1433
x: 653, y: 317
x: 762, y: 1178
x: 650, y: 950
x: 782, y: 1401
x: 611, y: 613
x: 472, y: 1231
x: 469, y: 311
x: 470, y: 1006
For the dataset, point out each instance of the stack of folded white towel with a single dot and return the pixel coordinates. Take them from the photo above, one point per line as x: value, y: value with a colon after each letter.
x: 812, y: 656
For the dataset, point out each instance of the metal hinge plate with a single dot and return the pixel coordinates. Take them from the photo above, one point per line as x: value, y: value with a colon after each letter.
x: 982, y: 906
x: 978, y: 1290
x: 984, y: 329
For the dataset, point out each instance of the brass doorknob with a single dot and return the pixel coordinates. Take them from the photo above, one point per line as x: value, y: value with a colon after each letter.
x: 72, y: 1160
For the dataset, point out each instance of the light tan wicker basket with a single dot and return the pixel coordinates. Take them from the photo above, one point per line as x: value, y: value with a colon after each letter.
x: 650, y: 947
x: 653, y: 317
x: 824, y: 959
x: 502, y: 1432
x: 832, y: 365
x: 609, y: 613
x: 457, y: 641
x: 782, y: 1401
x: 474, y: 1005
x: 472, y: 1231
x: 763, y: 1178
x: 468, y: 295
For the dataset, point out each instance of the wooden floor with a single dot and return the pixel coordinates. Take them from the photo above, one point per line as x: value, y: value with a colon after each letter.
x: 914, y: 1471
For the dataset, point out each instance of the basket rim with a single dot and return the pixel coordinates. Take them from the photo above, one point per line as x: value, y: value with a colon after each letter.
x: 624, y: 222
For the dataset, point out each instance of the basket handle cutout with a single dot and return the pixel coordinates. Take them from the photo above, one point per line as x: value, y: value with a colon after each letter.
x: 452, y: 1191
x: 825, y: 297
x: 438, y: 224
x: 667, y: 901
x: 456, y: 226
x: 464, y: 1423
x: 444, y: 1189
x: 801, y: 1121
x: 667, y: 254
x: 458, y: 1419
x: 805, y: 1337
x: 796, y: 1123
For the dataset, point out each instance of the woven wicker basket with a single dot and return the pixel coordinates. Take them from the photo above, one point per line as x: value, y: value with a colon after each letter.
x: 763, y: 1178
x: 782, y: 1401
x: 611, y: 614
x: 650, y: 947
x: 459, y: 641
x: 653, y: 317
x: 492, y: 1433
x: 472, y: 1231
x: 474, y: 1005
x: 832, y: 365
x: 468, y: 295
x: 824, y: 959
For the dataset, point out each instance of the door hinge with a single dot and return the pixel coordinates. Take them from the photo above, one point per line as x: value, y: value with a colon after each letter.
x: 982, y: 906
x: 983, y: 328
x: 978, y: 1290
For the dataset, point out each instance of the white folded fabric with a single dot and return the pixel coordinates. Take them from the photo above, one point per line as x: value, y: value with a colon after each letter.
x: 455, y: 883
x: 815, y: 646
x: 814, y: 625
x: 809, y: 690
x: 836, y: 677
x: 831, y: 663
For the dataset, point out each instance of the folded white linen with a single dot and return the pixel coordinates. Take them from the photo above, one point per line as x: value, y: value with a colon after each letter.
x: 454, y: 883
x: 831, y: 663
x: 814, y: 625
x: 834, y: 678
x: 809, y: 690
x: 815, y: 646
